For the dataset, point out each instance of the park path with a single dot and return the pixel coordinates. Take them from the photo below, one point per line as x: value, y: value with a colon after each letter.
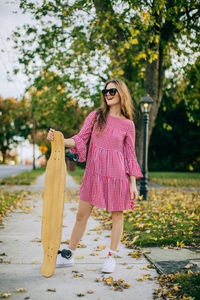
x: 20, y: 241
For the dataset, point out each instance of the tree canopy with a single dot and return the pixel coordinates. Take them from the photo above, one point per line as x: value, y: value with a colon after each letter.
x: 87, y: 42
x: 15, y: 123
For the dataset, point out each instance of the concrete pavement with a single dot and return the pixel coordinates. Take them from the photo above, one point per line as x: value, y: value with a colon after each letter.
x: 20, y: 242
x: 8, y: 170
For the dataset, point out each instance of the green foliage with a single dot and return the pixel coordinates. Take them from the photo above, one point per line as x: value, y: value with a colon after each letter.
x: 106, y: 38
x: 184, y: 179
x: 175, y: 141
x: 15, y: 122
x: 189, y: 91
x: 169, y: 217
x: 189, y: 283
x: 24, y: 178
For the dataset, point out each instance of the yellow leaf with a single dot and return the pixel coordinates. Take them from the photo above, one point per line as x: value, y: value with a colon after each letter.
x: 21, y: 290
x: 5, y: 295
x: 80, y: 257
x: 127, y: 46
x: 134, y: 41
x: 140, y: 279
x: 121, y: 72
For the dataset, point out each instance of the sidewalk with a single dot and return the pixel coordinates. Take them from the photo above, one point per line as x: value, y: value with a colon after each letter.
x: 20, y: 241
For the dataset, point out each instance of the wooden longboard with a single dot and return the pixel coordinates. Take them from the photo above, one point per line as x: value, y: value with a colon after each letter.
x: 53, y: 204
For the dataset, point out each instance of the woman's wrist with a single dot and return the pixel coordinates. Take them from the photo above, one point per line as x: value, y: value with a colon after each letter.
x: 70, y: 143
x: 132, y: 179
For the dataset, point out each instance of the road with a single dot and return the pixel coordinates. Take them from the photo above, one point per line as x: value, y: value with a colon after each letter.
x: 6, y: 170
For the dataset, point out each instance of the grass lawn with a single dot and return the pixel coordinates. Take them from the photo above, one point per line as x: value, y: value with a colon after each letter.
x: 24, y: 178
x: 77, y: 174
x: 187, y: 179
x: 168, y: 218
x: 190, y: 284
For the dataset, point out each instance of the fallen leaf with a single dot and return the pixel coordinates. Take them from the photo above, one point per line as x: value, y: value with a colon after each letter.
x: 78, y: 275
x: 51, y: 290
x: 189, y: 265
x: 90, y: 292
x: 140, y: 279
x: 5, y: 295
x: 80, y: 295
x: 80, y: 257
x: 21, y: 290
x: 100, y: 248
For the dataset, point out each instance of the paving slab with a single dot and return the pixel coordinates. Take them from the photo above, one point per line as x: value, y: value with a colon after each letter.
x: 174, y: 260
x: 20, y: 241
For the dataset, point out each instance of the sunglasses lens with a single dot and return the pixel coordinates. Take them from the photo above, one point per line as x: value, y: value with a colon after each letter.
x: 112, y: 92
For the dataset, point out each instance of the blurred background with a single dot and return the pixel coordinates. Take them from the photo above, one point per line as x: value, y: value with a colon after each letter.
x: 55, y: 57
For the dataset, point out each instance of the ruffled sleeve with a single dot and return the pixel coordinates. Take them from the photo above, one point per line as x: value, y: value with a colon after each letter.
x: 82, y: 137
x: 131, y: 164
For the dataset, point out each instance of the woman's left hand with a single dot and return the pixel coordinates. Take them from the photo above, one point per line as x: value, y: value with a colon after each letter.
x: 134, y: 192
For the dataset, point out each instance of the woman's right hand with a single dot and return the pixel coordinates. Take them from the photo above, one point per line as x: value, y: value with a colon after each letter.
x: 50, y: 134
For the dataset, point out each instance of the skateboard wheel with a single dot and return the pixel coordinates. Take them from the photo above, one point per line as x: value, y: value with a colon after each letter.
x: 66, y: 253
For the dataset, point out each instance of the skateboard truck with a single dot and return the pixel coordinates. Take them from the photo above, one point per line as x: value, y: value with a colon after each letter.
x: 71, y: 156
x: 65, y: 253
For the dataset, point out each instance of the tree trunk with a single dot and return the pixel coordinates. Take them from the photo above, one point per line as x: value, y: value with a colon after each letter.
x: 154, y: 82
x: 4, y: 156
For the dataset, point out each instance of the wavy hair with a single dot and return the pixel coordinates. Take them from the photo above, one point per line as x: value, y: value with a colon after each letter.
x: 126, y: 103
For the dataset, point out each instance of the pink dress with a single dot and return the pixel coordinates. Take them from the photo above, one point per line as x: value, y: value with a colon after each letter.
x: 111, y: 159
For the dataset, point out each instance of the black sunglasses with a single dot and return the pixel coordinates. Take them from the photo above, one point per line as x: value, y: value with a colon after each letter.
x: 112, y: 92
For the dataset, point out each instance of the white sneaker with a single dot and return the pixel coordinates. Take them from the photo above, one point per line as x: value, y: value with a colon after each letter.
x: 62, y: 261
x: 109, y: 264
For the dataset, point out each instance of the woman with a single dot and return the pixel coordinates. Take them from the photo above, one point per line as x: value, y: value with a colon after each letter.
x: 111, y: 170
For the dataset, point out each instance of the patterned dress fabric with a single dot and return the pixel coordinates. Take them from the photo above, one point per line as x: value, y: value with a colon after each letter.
x: 111, y: 159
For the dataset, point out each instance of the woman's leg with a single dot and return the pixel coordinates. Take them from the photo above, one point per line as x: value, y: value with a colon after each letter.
x: 84, y: 211
x: 117, y: 229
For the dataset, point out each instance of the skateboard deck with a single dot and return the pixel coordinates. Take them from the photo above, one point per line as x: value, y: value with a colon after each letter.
x: 53, y: 204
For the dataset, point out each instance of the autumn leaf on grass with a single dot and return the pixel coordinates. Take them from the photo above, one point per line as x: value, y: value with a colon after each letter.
x: 180, y: 244
x: 134, y: 239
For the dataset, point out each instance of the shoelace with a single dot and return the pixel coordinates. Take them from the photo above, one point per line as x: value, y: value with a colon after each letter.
x: 111, y: 254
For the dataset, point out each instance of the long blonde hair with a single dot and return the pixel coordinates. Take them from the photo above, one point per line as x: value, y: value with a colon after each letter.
x: 126, y: 103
